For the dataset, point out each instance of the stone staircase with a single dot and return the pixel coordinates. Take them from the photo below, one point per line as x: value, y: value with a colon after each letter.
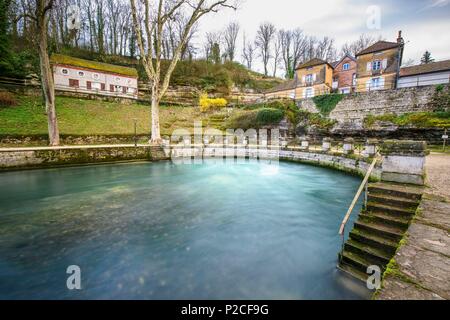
x: 157, y: 153
x: 377, y: 232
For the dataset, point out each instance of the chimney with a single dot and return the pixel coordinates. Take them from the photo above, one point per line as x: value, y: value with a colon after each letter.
x: 400, y: 39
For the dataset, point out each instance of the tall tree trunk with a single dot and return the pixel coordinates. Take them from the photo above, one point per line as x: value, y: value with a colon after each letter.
x: 48, y: 86
x: 156, y: 133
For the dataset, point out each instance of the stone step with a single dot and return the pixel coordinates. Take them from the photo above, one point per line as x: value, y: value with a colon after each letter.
x: 347, y: 268
x: 392, y: 200
x: 389, y: 209
x: 380, y: 230
x: 396, y: 190
x: 355, y: 261
x: 385, y: 244
x: 401, y: 222
x: 375, y: 256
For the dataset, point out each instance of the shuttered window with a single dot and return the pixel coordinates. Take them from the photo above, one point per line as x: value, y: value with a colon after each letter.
x: 88, y: 85
x: 74, y: 83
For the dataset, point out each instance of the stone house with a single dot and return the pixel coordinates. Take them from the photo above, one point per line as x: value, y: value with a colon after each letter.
x: 313, y: 78
x: 425, y: 74
x: 378, y: 66
x: 91, y: 77
x: 344, y: 75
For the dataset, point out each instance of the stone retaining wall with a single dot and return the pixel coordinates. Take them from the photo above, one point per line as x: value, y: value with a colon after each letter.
x: 21, y: 140
x: 21, y: 158
x: 353, y: 108
x: 339, y: 161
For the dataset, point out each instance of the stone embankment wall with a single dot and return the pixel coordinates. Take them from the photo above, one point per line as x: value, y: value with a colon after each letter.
x: 22, y: 158
x: 348, y: 163
x: 353, y: 108
x: 42, y: 140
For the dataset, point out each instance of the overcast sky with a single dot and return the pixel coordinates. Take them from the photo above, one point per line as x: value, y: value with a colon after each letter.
x: 425, y: 23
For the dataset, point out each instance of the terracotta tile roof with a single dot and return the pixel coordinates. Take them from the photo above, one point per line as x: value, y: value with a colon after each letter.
x: 313, y: 62
x: 287, y: 85
x: 425, y: 68
x: 378, y: 46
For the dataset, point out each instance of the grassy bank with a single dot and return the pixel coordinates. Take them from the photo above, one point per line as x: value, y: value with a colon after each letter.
x: 88, y: 117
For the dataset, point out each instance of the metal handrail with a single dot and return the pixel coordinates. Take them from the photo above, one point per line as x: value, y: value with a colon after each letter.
x: 358, y: 194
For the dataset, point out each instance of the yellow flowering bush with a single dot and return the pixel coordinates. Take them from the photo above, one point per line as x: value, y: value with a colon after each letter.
x: 206, y: 104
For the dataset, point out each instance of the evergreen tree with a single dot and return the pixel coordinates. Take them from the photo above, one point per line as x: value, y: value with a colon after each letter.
x: 426, y: 58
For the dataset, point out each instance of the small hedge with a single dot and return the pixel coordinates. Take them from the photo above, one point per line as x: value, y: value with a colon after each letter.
x: 326, y: 103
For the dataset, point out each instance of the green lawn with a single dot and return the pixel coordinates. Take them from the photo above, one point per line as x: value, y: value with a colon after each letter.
x: 89, y: 117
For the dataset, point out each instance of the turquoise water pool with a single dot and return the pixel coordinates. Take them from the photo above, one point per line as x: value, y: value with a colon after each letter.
x: 165, y: 231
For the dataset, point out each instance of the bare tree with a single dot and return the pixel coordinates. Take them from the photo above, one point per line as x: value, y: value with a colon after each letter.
x: 213, y: 39
x: 231, y: 34
x: 278, y: 43
x: 325, y: 49
x: 248, y: 53
x: 154, y: 21
x: 362, y: 43
x: 42, y: 9
x: 264, y: 38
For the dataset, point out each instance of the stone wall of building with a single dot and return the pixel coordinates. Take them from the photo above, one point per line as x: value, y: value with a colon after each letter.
x: 23, y: 158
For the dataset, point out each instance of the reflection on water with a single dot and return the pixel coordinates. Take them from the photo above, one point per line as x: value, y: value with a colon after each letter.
x: 164, y: 231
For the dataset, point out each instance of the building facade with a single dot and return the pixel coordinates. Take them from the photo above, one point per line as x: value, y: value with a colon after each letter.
x: 91, y: 77
x: 432, y: 73
x: 344, y: 75
x: 313, y: 78
x: 378, y: 66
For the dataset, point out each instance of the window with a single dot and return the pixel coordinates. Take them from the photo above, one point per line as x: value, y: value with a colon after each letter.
x: 309, y: 93
x: 88, y: 85
x: 309, y: 78
x: 65, y: 71
x: 95, y: 76
x: 81, y: 73
x: 346, y: 66
x: 74, y: 83
x: 130, y: 82
x: 376, y: 65
x: 117, y: 79
x: 375, y: 83
x: 354, y: 79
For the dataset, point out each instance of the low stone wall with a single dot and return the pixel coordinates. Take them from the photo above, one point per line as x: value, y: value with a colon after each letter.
x: 22, y: 158
x: 348, y: 163
x: 42, y: 140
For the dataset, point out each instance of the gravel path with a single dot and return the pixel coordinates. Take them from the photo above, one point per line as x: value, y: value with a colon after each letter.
x: 438, y: 174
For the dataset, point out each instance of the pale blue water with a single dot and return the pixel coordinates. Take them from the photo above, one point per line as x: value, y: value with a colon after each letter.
x: 165, y: 231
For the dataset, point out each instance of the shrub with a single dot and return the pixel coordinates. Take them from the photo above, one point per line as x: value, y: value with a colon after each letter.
x: 269, y: 116
x: 326, y: 103
x: 255, y: 119
x: 417, y: 119
x: 207, y: 104
x: 7, y: 99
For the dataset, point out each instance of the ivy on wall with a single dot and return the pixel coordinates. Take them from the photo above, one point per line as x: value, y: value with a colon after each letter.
x: 326, y: 103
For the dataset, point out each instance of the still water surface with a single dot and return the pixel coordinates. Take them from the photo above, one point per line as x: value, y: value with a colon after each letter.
x: 166, y: 231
